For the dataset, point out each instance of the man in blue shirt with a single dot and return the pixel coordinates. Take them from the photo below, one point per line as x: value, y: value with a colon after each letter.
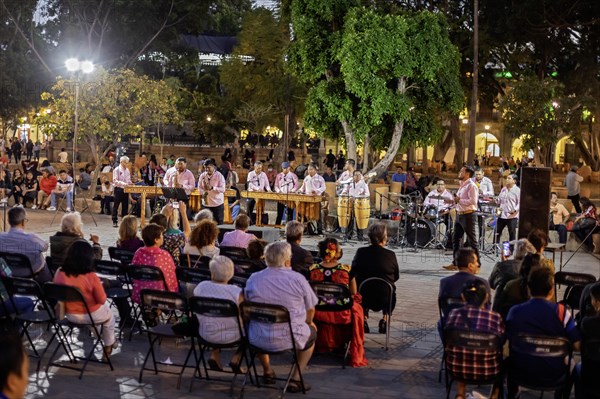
x: 539, y: 316
x: 399, y: 176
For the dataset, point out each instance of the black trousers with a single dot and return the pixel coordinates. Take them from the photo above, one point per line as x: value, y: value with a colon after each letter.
x: 217, y: 212
x: 512, y: 228
x: 575, y: 200
x: 250, y: 206
x: 121, y: 198
x: 465, y: 224
x: 289, y: 213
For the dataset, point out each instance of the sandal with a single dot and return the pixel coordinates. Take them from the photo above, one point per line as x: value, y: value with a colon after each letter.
x: 235, y: 367
x: 269, y: 378
x: 214, y: 366
x: 295, y: 386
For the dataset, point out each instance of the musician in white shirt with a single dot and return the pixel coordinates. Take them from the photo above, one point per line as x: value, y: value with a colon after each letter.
x: 442, y: 204
x: 211, y: 185
x: 257, y: 181
x: 509, y: 202
x: 286, y: 182
x: 484, y: 184
x: 314, y: 184
x: 346, y: 177
x: 121, y: 178
x: 357, y: 189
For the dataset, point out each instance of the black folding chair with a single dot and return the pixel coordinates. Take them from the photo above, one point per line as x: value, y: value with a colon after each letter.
x: 335, y: 298
x: 167, y: 302
x: 233, y: 252
x: 120, y: 255
x: 254, y: 312
x: 194, y: 261
x: 218, y: 309
x: 119, y: 287
x: 19, y: 264
x: 384, y: 288
x: 477, y: 345
x: 192, y: 276
x: 65, y: 293
x: 538, y: 350
x: 575, y: 283
x: 445, y: 305
x: 590, y: 364
x: 143, y: 273
x: 52, y: 266
x: 30, y: 288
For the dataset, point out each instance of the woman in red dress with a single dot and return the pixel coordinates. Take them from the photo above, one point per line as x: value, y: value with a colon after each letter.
x: 336, y: 328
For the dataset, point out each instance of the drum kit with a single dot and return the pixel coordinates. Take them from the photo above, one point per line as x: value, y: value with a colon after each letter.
x: 487, y: 216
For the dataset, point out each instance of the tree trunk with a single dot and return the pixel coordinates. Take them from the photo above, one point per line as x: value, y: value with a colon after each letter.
x: 390, y: 155
x: 350, y: 141
x: 459, y: 148
x: 92, y: 142
x: 366, y: 153
x: 280, y: 153
x: 440, y: 150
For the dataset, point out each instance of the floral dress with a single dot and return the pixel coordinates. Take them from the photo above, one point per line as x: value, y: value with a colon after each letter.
x: 336, y: 328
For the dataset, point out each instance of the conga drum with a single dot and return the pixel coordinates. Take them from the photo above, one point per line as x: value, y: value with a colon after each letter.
x: 343, y: 211
x: 195, y: 200
x: 396, y: 187
x: 362, y: 211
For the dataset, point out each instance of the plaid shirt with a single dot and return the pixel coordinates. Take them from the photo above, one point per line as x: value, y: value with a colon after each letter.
x: 474, y: 364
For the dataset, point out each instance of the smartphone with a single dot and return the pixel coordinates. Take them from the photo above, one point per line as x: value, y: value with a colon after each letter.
x: 175, y: 205
x: 506, y: 249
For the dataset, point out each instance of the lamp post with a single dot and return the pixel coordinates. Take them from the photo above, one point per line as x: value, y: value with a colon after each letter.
x: 77, y: 67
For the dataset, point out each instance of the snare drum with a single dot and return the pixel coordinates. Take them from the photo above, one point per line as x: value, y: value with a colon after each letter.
x: 343, y: 212
x: 431, y: 212
x: 414, y: 210
x: 362, y: 211
x: 396, y: 214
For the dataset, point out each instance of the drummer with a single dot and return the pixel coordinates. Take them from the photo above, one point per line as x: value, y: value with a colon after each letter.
x: 211, y: 185
x: 357, y: 189
x: 441, y: 199
x: 486, y: 192
x: 346, y: 177
x: 314, y: 184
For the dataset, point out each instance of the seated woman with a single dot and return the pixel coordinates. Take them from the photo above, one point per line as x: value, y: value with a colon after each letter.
x: 474, y: 317
x: 174, y: 239
x: 30, y: 189
x: 128, y: 239
x: 78, y: 272
x: 256, y: 255
x: 70, y: 231
x: 332, y: 337
x: 515, y: 291
x: 376, y: 261
x: 153, y: 255
x: 17, y: 186
x: 202, y: 240
x: 539, y: 239
x: 586, y: 223
x: 220, y: 330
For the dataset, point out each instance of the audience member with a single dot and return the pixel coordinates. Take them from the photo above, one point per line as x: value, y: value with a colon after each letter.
x: 128, y: 238
x: 302, y: 259
x: 239, y: 237
x: 256, y: 254
x: 17, y: 186
x: 70, y: 232
x: 586, y: 223
x: 586, y: 379
x: 475, y: 316
x: 540, y: 315
x: 85, y: 179
x: 539, y: 239
x: 558, y: 217
x: 107, y: 196
x: 30, y: 189
x: 376, y: 261
x: 508, y: 269
x: 174, y: 239
x: 515, y: 291
x: 337, y: 328
x: 220, y: 330
x: 153, y: 255
x: 48, y: 183
x: 64, y: 188
x: 452, y: 286
x: 78, y: 271
x: 16, y: 240
x: 14, y: 366
x: 279, y: 284
x: 203, y: 239
x: 204, y: 214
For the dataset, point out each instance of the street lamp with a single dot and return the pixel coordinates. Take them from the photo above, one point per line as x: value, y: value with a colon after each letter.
x: 487, y: 128
x: 77, y: 67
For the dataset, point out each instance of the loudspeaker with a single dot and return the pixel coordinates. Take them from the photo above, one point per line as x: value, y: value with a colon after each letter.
x: 534, y: 208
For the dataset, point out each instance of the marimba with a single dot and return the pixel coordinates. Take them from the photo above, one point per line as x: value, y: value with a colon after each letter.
x: 145, y: 191
x: 308, y: 207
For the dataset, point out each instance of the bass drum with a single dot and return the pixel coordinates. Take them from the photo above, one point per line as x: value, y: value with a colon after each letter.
x: 422, y: 231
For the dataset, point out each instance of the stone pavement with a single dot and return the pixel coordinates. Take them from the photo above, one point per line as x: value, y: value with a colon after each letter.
x: 409, y: 369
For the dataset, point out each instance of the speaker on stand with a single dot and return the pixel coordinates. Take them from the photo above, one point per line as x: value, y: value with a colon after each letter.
x: 534, y: 209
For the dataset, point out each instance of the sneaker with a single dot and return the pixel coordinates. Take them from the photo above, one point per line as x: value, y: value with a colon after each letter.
x: 451, y: 267
x: 51, y: 208
x: 34, y: 206
x: 382, y: 326
x: 68, y: 210
x: 115, y: 224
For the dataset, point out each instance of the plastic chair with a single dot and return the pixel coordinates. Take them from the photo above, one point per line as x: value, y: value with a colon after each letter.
x: 65, y: 293
x: 473, y: 343
x: 254, y: 312
x: 167, y: 302
x: 383, y: 286
x: 334, y: 298
x: 218, y: 308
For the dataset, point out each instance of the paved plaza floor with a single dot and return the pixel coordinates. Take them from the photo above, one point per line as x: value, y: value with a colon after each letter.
x: 409, y: 369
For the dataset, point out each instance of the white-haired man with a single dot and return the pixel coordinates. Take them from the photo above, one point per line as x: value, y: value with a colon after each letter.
x: 257, y: 181
x: 279, y: 284
x: 121, y: 178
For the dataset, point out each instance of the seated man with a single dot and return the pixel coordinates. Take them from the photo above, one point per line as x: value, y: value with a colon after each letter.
x: 539, y: 316
x: 558, y: 217
x: 302, y: 259
x: 279, y: 284
x: 64, y: 188
x: 16, y: 240
x: 239, y: 237
x: 508, y: 269
x: 85, y: 178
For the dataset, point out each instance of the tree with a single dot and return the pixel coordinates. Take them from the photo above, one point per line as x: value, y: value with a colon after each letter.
x: 390, y: 78
x: 111, y: 104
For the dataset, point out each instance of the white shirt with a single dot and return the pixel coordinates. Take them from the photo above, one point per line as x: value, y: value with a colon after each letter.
x: 63, y: 157
x: 286, y: 183
x: 468, y: 195
x: 258, y: 183
x: 121, y: 177
x: 509, y: 201
x: 486, y: 188
x: 107, y: 190
x: 360, y: 189
x: 215, y: 196
x: 439, y: 204
x: 313, y: 185
x: 185, y: 179
x: 220, y: 330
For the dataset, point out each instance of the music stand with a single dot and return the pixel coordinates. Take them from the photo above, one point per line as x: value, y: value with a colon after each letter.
x: 175, y: 193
